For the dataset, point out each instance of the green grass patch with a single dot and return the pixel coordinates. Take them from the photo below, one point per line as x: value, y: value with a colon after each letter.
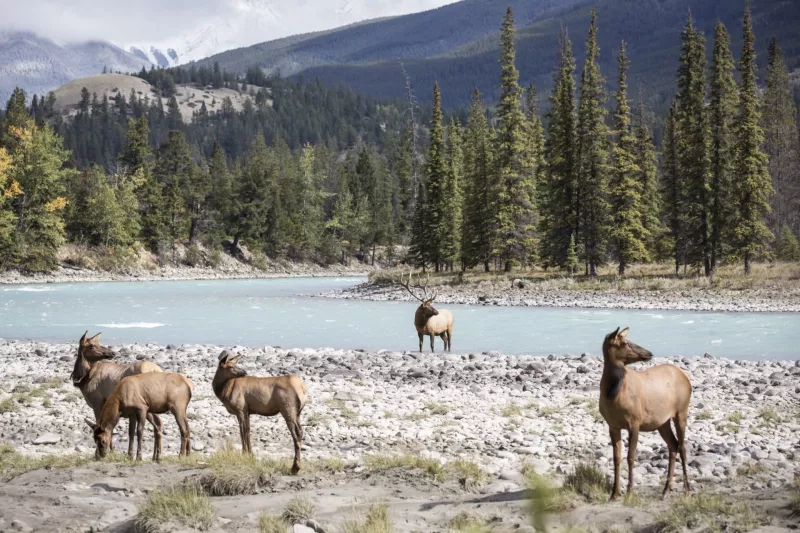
x: 316, y: 419
x: 736, y: 417
x: 709, y: 512
x: 589, y: 481
x: 417, y: 416
x: 13, y: 463
x: 407, y: 461
x: 298, y: 511
x: 186, y: 506
x: 705, y: 414
x: 549, y: 411
x: 750, y: 470
x: 375, y: 520
x: 511, y: 409
x: 634, y: 499
x: 769, y: 417
x: 467, y: 523
x: 437, y: 408
x: 339, y: 405
x: 469, y: 475
x: 8, y: 405
x: 233, y: 473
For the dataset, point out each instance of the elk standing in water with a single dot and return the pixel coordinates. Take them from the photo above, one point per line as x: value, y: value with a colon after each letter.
x: 243, y: 395
x: 427, y: 320
x: 97, y: 379
x: 642, y: 401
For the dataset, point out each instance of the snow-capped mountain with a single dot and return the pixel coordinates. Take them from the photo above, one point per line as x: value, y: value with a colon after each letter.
x: 39, y: 65
x: 246, y: 22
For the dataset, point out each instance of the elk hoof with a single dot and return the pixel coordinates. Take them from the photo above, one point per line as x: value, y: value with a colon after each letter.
x: 615, y: 497
x: 295, y: 469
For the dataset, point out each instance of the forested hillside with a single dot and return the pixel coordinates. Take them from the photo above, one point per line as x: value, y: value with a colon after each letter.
x: 312, y: 172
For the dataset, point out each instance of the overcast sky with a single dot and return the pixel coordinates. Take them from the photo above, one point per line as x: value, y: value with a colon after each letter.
x: 153, y: 21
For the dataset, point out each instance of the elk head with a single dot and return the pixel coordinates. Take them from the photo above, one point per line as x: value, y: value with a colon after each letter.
x: 617, y: 349
x: 227, y: 366
x: 426, y: 302
x: 89, y: 351
x: 102, y: 439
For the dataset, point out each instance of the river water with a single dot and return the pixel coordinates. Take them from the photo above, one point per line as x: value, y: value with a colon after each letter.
x: 280, y: 312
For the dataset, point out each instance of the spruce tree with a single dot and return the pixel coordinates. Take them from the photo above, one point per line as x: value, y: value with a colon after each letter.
x: 514, y: 186
x: 673, y: 189
x: 571, y: 262
x: 627, y: 236
x: 175, y: 171
x: 788, y: 247
x: 221, y: 195
x: 557, y: 193
x: 593, y: 168
x: 8, y: 219
x: 781, y: 143
x: 694, y: 136
x: 477, y: 214
x: 752, y: 188
x: 647, y: 163
x: 16, y: 116
x: 450, y: 229
x: 435, y: 208
x: 724, y: 100
x: 535, y: 165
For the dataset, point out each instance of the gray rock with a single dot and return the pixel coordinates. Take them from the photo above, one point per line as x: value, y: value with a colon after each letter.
x: 314, y: 525
x: 346, y: 396
x: 47, y: 438
x: 19, y: 525
x: 300, y: 528
x: 198, y: 445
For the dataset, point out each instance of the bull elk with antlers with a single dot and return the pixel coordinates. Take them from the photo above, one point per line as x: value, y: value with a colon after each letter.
x: 427, y: 320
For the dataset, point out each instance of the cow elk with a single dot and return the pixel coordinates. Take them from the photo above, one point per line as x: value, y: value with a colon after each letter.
x: 140, y: 395
x: 244, y: 395
x: 642, y: 401
x: 97, y: 379
x: 427, y: 319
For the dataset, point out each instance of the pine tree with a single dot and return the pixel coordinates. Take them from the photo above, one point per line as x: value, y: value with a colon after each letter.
x: 593, y: 168
x: 535, y: 166
x: 781, y: 143
x: 557, y: 194
x: 693, y: 136
x: 646, y: 161
x: 788, y: 247
x: 221, y: 195
x: 252, y: 198
x: 514, y: 185
x: 752, y: 188
x: 450, y: 229
x: 673, y: 188
x: 477, y: 213
x: 175, y: 171
x: 571, y: 262
x: 627, y: 235
x: 16, y: 116
x: 9, y: 190
x: 435, y: 208
x: 419, y: 251
x: 724, y: 100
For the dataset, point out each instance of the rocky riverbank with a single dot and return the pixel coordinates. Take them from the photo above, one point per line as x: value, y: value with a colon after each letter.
x: 499, y: 411
x: 543, y: 294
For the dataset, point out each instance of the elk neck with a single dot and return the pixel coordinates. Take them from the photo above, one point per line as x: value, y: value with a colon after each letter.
x: 110, y: 415
x: 613, y: 376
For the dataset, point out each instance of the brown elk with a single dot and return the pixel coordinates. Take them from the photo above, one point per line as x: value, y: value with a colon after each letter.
x: 642, y: 401
x: 140, y: 395
x: 243, y: 395
x: 427, y: 319
x: 97, y: 379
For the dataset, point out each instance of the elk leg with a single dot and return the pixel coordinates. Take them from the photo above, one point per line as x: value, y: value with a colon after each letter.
x: 432, y: 339
x: 183, y: 427
x: 449, y: 340
x: 246, y: 429
x: 421, y: 336
x: 616, y: 446
x: 293, y: 424
x: 633, y: 442
x: 157, y: 430
x: 680, y: 431
x: 672, y: 444
x: 240, y: 420
x: 141, y: 417
x: 131, y: 432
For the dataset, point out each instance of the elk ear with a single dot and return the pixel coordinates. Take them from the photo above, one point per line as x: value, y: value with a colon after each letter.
x: 623, y: 333
x: 83, y: 339
x: 94, y: 339
x: 616, y: 332
x: 224, y: 356
x: 234, y: 360
x: 90, y: 423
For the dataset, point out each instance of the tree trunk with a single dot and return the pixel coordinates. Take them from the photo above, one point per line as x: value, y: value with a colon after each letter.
x: 507, y: 267
x: 622, y: 267
x: 373, y: 254
x: 192, y: 230
x: 234, y: 245
x: 747, y: 263
x: 592, y: 269
x: 486, y: 266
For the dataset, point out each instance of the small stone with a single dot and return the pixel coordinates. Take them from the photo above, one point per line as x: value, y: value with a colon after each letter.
x: 314, y: 525
x: 300, y: 528
x: 48, y: 438
x: 346, y: 396
x: 198, y: 445
x: 19, y: 525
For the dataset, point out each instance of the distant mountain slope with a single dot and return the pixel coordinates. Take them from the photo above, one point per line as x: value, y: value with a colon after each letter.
x: 456, y: 45
x: 38, y: 65
x: 415, y: 36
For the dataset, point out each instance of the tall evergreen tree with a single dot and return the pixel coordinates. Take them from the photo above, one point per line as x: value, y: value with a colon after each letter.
x: 781, y: 143
x: 693, y: 145
x: 16, y: 116
x: 557, y: 194
x: 514, y: 183
x: 627, y: 236
x: 175, y: 171
x: 435, y: 208
x: 535, y: 166
x: 593, y: 167
x: 673, y: 188
x: 788, y: 247
x: 647, y: 165
x: 221, y: 195
x: 752, y: 185
x: 450, y: 229
x: 724, y: 100
x: 8, y: 219
x: 252, y: 198
x: 477, y: 213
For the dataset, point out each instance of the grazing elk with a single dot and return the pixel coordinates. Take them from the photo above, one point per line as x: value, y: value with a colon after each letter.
x: 140, y: 395
x: 428, y: 320
x: 243, y: 395
x: 97, y: 379
x: 642, y: 401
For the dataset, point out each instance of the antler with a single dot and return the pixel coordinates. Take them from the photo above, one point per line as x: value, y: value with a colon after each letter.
x: 407, y: 286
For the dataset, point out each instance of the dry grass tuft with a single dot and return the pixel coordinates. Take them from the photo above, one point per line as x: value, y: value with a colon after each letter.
x: 13, y: 463
x: 406, y: 461
x: 233, y: 473
x: 298, y: 511
x: 376, y: 520
x: 589, y: 481
x: 186, y: 506
x: 268, y: 523
x: 469, y: 475
x: 712, y: 512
